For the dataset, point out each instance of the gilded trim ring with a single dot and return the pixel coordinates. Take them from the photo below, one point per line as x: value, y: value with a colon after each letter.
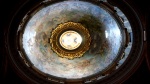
x: 70, y: 54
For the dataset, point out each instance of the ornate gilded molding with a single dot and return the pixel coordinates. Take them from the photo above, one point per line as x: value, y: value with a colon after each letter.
x: 74, y: 52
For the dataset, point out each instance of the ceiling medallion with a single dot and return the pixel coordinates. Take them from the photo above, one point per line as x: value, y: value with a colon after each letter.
x: 70, y: 40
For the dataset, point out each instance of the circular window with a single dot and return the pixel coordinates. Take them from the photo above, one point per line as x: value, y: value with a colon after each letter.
x: 70, y: 40
x: 75, y: 41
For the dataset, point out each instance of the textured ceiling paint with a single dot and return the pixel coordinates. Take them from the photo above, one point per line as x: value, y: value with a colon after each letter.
x: 105, y: 33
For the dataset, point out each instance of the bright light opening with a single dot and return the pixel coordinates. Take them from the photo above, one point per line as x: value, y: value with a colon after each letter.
x: 70, y: 40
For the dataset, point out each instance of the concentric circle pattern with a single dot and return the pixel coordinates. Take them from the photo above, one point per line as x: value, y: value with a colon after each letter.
x: 93, y: 48
x: 70, y: 40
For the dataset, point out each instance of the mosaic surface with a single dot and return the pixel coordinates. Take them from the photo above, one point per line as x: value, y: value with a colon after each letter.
x: 105, y: 44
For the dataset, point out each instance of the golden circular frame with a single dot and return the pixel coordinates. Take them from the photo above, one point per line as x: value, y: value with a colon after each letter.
x: 70, y: 26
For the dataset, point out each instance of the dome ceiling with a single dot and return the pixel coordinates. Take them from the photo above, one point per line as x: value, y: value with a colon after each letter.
x: 103, y: 37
